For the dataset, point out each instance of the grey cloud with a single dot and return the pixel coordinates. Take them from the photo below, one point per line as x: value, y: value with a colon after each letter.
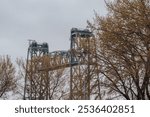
x: 42, y: 20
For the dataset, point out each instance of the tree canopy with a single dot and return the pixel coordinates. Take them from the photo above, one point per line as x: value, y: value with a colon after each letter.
x: 124, y: 48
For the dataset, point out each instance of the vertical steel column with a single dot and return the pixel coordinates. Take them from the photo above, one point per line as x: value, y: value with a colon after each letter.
x: 35, y: 56
x: 25, y: 82
x: 80, y: 62
x: 71, y: 64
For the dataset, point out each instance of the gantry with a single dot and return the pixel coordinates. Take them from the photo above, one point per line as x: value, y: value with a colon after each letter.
x: 80, y: 59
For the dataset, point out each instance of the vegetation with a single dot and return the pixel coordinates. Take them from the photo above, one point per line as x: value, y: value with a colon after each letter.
x: 123, y: 59
x: 124, y: 48
x: 7, y: 77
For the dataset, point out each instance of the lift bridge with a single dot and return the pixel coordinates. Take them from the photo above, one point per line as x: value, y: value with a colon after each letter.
x: 80, y: 59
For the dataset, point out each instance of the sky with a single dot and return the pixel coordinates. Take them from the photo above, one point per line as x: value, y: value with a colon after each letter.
x: 44, y: 21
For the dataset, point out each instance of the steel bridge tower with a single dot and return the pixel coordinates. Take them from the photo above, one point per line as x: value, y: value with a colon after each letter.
x: 83, y: 62
x: 35, y: 85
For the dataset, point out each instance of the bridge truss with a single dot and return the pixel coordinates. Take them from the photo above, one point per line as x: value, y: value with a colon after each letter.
x: 81, y: 59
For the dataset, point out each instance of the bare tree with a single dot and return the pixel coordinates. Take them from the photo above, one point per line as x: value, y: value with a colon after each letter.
x: 7, y: 77
x: 124, y: 49
x: 41, y: 85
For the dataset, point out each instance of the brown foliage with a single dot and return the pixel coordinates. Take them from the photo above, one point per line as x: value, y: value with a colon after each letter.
x: 124, y: 48
x: 7, y: 76
x: 41, y: 85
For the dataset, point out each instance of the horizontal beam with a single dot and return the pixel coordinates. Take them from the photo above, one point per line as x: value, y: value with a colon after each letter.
x: 65, y: 66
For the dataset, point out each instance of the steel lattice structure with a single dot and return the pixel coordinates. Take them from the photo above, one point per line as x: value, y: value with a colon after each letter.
x: 83, y: 52
x: 80, y: 58
x: 36, y: 56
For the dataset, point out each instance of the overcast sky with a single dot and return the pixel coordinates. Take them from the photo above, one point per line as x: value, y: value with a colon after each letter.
x: 44, y: 21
